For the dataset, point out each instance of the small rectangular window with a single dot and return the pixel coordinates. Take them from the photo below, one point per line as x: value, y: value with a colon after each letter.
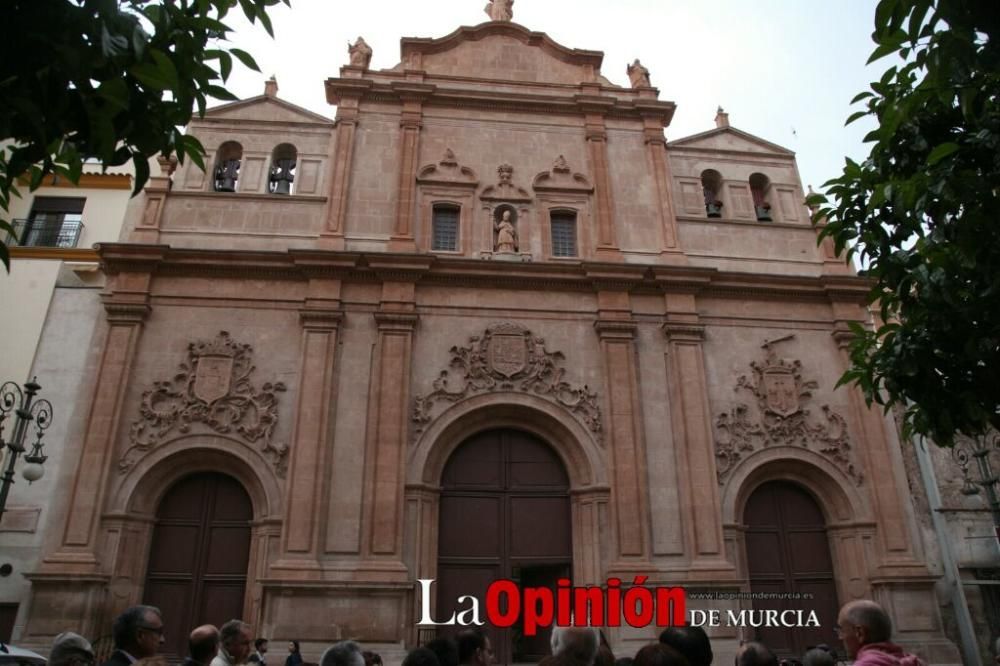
x: 563, y: 234
x: 445, y: 229
x: 53, y: 222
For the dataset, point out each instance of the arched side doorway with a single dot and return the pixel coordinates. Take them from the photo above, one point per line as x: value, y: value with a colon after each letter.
x: 200, y: 552
x: 788, y: 553
x: 504, y: 513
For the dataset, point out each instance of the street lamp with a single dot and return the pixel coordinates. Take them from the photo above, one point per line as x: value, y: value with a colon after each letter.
x: 979, y: 449
x: 17, y: 404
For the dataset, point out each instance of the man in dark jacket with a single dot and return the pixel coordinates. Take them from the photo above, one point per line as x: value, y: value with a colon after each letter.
x: 137, y: 633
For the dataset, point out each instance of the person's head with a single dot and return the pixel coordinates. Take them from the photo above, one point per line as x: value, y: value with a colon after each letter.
x: 861, y: 623
x: 691, y: 641
x: 260, y: 645
x: 344, y: 653
x: 659, y: 654
x: 139, y: 631
x: 817, y: 656
x: 577, y: 643
x: 474, y: 648
x: 203, y: 643
x: 996, y: 650
x: 293, y: 647
x: 236, y: 639
x: 69, y: 649
x: 372, y: 658
x: 421, y: 656
x: 755, y: 654
x: 446, y: 650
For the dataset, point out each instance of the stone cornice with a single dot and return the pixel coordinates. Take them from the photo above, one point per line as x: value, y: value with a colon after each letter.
x: 577, y: 276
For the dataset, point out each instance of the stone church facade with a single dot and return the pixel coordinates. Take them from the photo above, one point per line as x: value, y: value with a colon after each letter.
x: 486, y: 323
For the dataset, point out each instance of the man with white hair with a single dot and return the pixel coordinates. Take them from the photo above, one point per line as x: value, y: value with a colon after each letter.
x: 578, y: 645
x: 866, y: 629
x: 71, y: 649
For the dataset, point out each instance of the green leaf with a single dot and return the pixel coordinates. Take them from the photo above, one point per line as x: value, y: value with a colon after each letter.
x: 245, y: 58
x: 5, y: 256
x: 225, y: 66
x: 940, y: 152
x: 115, y: 92
x: 167, y: 69
x: 855, y: 116
x: 862, y: 95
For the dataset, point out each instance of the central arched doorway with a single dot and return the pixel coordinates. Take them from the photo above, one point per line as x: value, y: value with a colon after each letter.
x: 504, y: 513
x: 788, y: 555
x: 198, y: 562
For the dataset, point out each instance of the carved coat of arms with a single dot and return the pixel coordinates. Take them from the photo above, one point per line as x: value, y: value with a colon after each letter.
x: 781, y: 394
x: 213, y: 389
x: 507, y: 357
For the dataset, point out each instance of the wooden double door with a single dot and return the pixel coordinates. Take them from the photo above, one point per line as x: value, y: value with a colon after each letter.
x: 504, y: 513
x: 198, y: 563
x: 788, y: 554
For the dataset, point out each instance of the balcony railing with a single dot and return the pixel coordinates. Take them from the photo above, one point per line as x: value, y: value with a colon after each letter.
x: 46, y: 233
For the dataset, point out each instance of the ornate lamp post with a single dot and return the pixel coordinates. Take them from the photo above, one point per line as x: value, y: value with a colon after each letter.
x: 17, y: 405
x: 979, y: 449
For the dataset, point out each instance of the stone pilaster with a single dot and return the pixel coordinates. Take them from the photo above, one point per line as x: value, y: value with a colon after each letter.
x: 347, y: 98
x: 590, y: 523
x: 597, y: 153
x: 147, y: 230
x: 410, y: 122
x: 626, y: 442
x: 305, y: 505
x: 656, y: 144
x: 692, y: 433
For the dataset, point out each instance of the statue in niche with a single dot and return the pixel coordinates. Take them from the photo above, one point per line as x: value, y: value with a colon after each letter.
x: 506, y: 234
x: 500, y: 10
x: 360, y: 53
x: 638, y: 75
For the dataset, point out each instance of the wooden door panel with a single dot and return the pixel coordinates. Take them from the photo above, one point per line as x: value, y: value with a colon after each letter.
x: 539, y: 527
x: 788, y: 551
x: 199, y: 555
x: 504, y: 510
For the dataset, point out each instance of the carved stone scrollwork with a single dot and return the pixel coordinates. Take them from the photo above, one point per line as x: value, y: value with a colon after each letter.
x: 507, y: 357
x: 213, y: 388
x: 781, y: 420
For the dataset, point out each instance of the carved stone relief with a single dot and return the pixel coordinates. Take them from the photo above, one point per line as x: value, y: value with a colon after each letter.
x: 447, y: 172
x: 507, y: 357
x: 212, y: 390
x: 561, y: 179
x: 780, y: 417
x: 505, y: 189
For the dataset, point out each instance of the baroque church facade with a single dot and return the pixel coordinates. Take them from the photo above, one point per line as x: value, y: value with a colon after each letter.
x: 486, y: 323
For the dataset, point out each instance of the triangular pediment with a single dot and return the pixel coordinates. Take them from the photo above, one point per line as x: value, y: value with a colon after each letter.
x: 266, y: 109
x: 732, y: 139
x: 501, y: 51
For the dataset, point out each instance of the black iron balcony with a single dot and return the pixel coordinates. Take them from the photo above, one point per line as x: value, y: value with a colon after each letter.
x: 46, y: 233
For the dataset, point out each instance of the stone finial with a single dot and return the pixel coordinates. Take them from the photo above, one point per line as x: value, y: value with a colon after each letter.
x: 505, y: 172
x: 448, y: 159
x: 500, y: 10
x: 721, y: 118
x: 560, y: 165
x: 271, y: 87
x: 360, y: 53
x: 638, y: 75
x: 167, y: 165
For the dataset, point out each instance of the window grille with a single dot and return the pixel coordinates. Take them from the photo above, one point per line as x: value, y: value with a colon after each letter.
x: 445, y: 229
x: 563, y: 234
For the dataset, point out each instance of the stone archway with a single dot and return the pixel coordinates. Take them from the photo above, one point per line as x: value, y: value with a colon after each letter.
x: 504, y: 514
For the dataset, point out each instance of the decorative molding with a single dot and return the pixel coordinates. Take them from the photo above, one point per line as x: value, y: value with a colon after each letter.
x: 782, y: 420
x: 561, y: 179
x: 505, y: 189
x: 507, y: 357
x: 212, y: 388
x: 447, y: 172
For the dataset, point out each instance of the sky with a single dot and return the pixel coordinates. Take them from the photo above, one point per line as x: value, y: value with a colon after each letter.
x: 784, y: 70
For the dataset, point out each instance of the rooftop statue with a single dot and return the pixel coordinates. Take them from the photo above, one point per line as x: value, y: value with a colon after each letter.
x: 360, y: 52
x: 500, y: 10
x: 638, y: 75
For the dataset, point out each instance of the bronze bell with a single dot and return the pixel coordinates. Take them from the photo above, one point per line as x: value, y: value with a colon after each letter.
x: 226, y: 176
x: 281, y: 178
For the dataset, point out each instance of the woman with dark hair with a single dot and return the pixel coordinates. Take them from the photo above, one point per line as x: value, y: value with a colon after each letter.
x: 294, y: 656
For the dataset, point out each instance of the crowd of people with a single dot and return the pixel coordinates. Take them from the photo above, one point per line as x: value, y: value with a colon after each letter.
x: 863, y: 626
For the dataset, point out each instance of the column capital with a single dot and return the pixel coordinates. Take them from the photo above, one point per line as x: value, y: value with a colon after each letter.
x: 320, y: 319
x: 396, y: 321
x: 616, y: 329
x: 676, y: 331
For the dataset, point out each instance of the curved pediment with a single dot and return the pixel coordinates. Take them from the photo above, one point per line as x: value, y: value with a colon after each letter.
x: 501, y: 51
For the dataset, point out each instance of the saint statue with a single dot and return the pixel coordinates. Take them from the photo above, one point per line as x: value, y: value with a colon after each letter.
x: 500, y: 10
x: 638, y: 75
x: 360, y: 52
x: 506, y: 234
